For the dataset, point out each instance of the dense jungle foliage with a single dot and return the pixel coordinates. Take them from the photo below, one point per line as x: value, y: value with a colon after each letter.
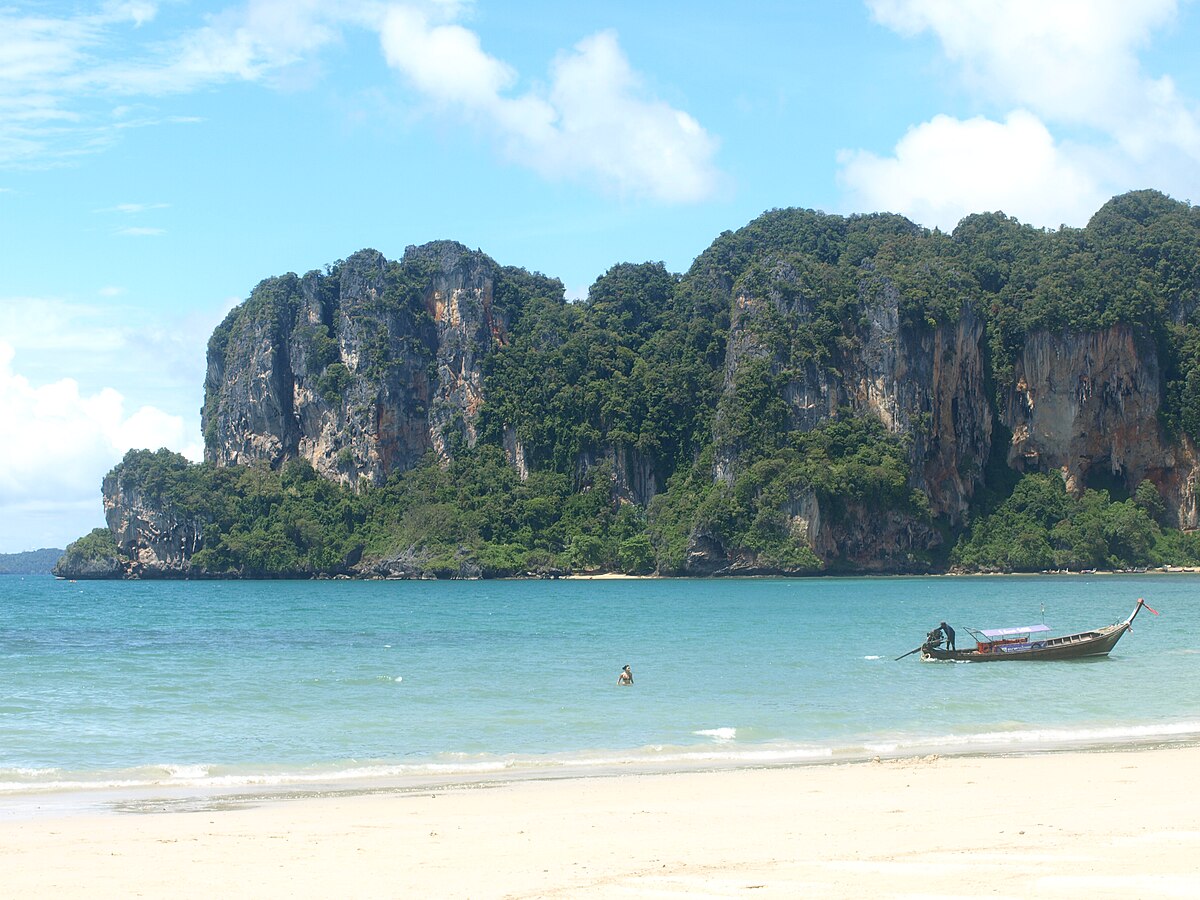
x: 1039, y: 527
x: 641, y: 371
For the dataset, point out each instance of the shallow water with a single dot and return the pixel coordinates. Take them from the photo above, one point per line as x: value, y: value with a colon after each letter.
x: 228, y: 684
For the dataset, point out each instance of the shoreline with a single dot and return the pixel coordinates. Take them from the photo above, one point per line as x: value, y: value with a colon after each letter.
x: 620, y: 576
x: 192, y: 787
x: 616, y: 576
x: 1097, y: 823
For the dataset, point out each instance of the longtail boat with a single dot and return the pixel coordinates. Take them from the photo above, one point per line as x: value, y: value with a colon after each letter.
x: 996, y: 644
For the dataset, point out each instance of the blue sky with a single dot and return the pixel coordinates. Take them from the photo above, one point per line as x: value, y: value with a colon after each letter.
x: 159, y: 157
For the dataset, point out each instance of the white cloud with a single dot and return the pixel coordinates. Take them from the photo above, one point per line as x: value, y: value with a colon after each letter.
x: 248, y: 43
x: 637, y: 144
x: 57, y: 77
x: 40, y: 58
x: 946, y: 168
x: 139, y: 12
x: 131, y: 209
x: 141, y: 232
x: 36, y: 324
x: 157, y: 360
x: 59, y: 443
x: 1072, y: 61
x: 594, y: 122
x: 1050, y: 65
x: 445, y: 62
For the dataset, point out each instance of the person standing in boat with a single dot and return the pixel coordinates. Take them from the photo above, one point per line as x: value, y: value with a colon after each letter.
x: 949, y: 632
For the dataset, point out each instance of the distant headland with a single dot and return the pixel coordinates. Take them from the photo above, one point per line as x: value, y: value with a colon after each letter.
x: 30, y: 562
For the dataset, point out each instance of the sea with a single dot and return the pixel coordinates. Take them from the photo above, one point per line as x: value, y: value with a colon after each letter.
x: 150, y: 695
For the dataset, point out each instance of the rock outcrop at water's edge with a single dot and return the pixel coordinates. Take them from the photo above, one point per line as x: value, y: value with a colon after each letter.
x: 153, y: 541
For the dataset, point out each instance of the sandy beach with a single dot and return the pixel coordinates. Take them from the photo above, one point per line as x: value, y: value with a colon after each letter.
x: 1081, y: 824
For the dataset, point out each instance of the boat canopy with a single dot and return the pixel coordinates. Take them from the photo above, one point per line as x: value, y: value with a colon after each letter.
x: 1004, y: 632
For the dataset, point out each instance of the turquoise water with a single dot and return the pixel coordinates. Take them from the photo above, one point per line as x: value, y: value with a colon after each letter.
x: 226, y: 684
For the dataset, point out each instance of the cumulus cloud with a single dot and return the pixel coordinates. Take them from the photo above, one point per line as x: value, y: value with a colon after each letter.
x: 157, y: 360
x: 1051, y: 65
x: 946, y: 168
x: 1072, y: 61
x: 446, y: 62
x: 58, y: 444
x: 594, y: 121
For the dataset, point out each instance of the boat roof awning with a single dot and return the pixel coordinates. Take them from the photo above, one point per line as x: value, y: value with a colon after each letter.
x: 1004, y: 632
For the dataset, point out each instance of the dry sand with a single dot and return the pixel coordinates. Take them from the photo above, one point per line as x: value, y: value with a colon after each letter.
x: 1098, y: 824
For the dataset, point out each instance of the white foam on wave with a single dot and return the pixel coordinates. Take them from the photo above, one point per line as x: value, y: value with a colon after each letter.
x: 718, y: 734
x: 451, y: 767
x: 25, y: 787
x: 197, y: 776
x: 721, y: 751
x: 185, y: 773
x: 32, y: 772
x: 872, y: 657
x: 1037, y: 738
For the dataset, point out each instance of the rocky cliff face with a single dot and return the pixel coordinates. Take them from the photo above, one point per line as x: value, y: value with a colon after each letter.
x: 927, y: 384
x: 361, y: 370
x: 1086, y: 406
x: 153, y: 540
x: 924, y: 384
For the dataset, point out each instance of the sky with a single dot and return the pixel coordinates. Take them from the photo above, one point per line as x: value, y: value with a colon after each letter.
x: 158, y: 158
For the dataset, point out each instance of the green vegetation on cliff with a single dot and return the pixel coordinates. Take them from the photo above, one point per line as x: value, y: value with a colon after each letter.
x: 475, y: 517
x: 1040, y: 527
x: 95, y: 555
x: 1136, y: 262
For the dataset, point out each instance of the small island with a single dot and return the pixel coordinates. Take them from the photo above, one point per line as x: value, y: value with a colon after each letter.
x: 817, y: 394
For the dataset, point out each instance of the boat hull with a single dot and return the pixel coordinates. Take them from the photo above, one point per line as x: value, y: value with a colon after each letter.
x: 1071, y: 646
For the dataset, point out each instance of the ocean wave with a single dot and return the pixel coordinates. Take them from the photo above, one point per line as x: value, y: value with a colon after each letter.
x: 452, y: 768
x: 718, y: 734
x: 721, y: 751
x: 1038, y: 739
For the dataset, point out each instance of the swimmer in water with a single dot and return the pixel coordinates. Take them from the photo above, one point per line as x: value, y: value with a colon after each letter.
x: 626, y: 676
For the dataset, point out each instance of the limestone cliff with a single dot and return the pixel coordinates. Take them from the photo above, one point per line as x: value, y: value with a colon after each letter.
x: 361, y: 370
x: 926, y: 384
x: 154, y: 540
x: 1087, y: 406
